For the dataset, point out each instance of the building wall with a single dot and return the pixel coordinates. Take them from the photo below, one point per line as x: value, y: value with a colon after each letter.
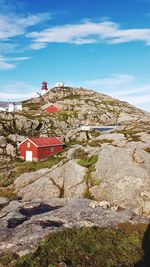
x: 51, y: 109
x: 39, y: 152
x: 45, y: 152
x: 24, y: 148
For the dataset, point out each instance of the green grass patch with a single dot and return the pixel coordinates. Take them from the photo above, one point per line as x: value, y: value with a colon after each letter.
x: 88, y: 162
x: 88, y: 247
x: 23, y: 167
x: 9, y: 193
x: 95, y: 143
x: 95, y: 133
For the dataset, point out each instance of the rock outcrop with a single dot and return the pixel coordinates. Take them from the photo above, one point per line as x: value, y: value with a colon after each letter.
x: 23, y: 225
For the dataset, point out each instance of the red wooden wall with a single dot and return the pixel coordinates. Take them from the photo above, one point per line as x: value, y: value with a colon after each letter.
x: 39, y: 152
x: 44, y: 152
x: 51, y: 109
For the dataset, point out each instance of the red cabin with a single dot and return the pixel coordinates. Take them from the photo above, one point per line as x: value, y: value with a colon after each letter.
x: 51, y: 108
x: 33, y: 149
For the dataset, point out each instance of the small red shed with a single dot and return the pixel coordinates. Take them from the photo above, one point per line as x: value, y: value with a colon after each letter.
x: 33, y: 149
x: 51, y: 108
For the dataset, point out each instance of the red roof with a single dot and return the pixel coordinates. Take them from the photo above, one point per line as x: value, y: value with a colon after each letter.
x: 46, y: 141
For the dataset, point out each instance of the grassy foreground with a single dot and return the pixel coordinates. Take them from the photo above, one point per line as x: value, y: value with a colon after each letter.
x: 89, y: 247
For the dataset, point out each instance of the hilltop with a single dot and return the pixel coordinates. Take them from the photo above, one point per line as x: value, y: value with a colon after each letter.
x: 111, y: 168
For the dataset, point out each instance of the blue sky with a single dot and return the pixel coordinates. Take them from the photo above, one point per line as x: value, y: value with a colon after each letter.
x: 98, y: 44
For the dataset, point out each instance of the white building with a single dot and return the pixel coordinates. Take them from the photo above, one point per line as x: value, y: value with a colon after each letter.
x: 14, y: 107
x: 60, y: 84
x: 10, y: 107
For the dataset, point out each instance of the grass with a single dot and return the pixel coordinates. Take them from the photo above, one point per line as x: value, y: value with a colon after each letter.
x: 87, y: 247
x: 22, y: 167
x: 9, y: 193
x: 131, y: 134
x: 95, y: 143
x: 88, y: 162
x: 19, y: 167
x: 95, y: 133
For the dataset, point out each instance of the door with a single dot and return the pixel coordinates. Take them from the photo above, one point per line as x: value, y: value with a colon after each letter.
x: 28, y: 155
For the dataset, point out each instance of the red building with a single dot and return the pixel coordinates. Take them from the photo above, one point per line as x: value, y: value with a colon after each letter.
x: 51, y: 108
x: 33, y: 149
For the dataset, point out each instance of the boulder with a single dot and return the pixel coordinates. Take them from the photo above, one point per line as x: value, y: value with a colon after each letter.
x: 123, y: 174
x: 3, y: 141
x: 28, y: 178
x: 3, y: 201
x: 63, y: 180
x: 82, y: 137
x: 11, y: 150
x: 40, y: 190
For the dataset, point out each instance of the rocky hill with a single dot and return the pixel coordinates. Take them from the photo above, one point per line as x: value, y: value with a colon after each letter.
x: 111, y: 168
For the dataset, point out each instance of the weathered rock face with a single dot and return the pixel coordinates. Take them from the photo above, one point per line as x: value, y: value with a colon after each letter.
x: 11, y: 150
x: 23, y: 225
x: 3, y: 141
x: 124, y: 173
x: 63, y: 180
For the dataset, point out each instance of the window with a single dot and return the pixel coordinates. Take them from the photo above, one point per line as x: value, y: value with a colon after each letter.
x: 28, y: 144
x: 52, y: 149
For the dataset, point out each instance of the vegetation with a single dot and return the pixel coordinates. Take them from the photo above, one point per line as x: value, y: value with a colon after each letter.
x: 88, y: 162
x: 9, y: 193
x: 92, y: 247
x: 83, y: 158
x: 95, y: 143
x: 131, y: 134
x: 19, y: 167
x: 25, y: 166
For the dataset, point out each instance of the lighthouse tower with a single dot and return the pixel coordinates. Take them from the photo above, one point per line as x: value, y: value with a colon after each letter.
x: 44, y: 88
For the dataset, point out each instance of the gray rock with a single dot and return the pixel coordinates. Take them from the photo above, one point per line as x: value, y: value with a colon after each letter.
x: 11, y: 150
x: 3, y: 141
x: 28, y: 178
x: 4, y: 201
x: 123, y: 173
x: 82, y: 137
x: 40, y: 190
x: 24, y: 237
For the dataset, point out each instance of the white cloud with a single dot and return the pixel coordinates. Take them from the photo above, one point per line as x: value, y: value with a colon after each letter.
x: 6, y: 66
x: 14, y: 25
x: 36, y: 46
x: 112, y: 82
x: 89, y: 32
x: 12, y: 91
x: 124, y: 87
x: 5, y: 62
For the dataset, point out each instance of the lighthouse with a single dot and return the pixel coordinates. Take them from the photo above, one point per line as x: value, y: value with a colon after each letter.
x: 44, y: 88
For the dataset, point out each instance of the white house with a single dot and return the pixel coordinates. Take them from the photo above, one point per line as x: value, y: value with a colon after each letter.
x: 60, y: 84
x: 14, y: 107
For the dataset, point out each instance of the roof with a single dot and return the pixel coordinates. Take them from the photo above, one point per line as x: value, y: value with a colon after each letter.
x: 44, y: 141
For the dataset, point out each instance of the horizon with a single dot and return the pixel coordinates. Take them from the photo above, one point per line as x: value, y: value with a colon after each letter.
x: 98, y: 45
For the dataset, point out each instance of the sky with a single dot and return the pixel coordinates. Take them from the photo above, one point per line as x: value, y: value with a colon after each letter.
x: 97, y: 44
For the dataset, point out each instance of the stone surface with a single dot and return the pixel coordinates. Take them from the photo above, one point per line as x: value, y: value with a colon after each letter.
x: 3, y: 141
x: 123, y: 174
x: 11, y: 150
x: 65, y: 180
x: 4, y: 201
x: 21, y: 233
